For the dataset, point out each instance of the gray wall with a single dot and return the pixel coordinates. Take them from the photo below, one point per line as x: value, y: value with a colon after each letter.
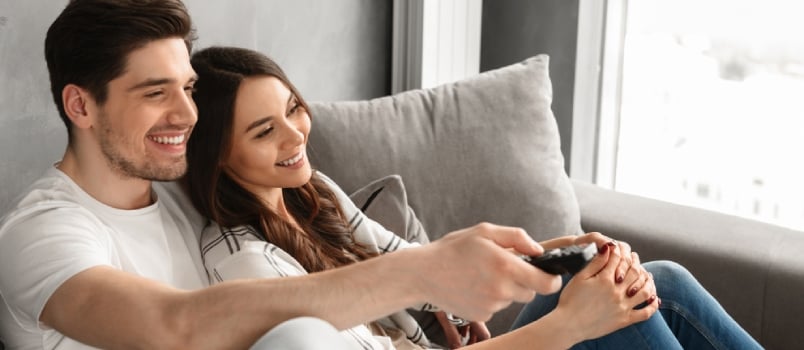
x: 513, y: 30
x: 332, y: 50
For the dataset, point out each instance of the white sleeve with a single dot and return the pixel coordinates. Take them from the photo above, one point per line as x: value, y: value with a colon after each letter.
x: 237, y: 253
x: 367, y: 231
x: 40, y: 249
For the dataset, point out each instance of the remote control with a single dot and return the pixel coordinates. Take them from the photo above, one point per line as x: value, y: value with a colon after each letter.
x: 566, y: 260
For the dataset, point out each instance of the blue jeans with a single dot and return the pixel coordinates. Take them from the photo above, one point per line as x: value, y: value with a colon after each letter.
x: 689, y: 317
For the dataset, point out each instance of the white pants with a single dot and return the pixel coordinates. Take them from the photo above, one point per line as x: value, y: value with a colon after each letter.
x: 301, y: 334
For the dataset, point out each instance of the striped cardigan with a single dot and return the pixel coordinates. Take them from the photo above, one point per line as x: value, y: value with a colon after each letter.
x: 241, y: 252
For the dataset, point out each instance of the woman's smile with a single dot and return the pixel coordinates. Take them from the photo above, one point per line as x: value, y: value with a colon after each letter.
x: 294, y: 162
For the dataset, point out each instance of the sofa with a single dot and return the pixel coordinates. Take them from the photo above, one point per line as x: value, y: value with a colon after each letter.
x: 487, y: 149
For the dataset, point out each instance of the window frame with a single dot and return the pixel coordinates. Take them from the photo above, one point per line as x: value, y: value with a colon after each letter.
x: 596, y: 100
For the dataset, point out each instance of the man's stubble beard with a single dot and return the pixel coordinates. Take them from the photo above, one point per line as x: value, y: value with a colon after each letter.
x: 111, y: 143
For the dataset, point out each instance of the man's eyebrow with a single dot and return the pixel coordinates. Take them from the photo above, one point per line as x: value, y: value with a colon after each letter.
x: 159, y: 81
x: 258, y: 122
x: 150, y: 82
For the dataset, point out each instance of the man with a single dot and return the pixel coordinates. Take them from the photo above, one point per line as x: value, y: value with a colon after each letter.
x: 98, y: 255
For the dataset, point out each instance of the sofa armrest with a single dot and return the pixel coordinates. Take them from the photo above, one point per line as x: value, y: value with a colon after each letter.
x: 755, y: 270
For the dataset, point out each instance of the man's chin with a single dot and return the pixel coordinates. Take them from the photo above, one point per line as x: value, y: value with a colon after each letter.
x: 155, y: 173
x: 169, y: 174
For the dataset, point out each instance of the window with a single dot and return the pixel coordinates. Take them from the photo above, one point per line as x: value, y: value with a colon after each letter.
x: 708, y: 98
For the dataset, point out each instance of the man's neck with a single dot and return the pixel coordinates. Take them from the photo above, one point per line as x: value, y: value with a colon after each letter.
x: 99, y: 180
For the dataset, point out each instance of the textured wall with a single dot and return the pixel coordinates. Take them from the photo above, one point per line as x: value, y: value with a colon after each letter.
x: 513, y: 30
x: 332, y: 50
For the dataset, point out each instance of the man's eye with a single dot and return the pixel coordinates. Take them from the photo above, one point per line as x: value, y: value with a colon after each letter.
x: 153, y: 94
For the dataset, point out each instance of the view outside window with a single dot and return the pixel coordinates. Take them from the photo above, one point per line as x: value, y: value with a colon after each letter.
x: 712, y: 109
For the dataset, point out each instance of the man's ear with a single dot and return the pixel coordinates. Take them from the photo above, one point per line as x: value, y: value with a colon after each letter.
x: 75, y: 101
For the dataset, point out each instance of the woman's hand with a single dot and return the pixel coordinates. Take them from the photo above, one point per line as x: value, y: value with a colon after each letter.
x: 458, y: 336
x: 596, y: 304
x: 600, y: 240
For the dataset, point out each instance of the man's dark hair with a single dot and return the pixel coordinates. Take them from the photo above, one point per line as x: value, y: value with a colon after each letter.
x: 89, y: 43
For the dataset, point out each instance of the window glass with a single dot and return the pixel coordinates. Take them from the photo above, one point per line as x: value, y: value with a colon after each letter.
x: 712, y: 106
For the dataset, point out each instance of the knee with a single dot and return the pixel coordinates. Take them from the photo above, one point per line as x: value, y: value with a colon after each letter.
x: 295, y: 334
x: 666, y: 269
x: 670, y: 275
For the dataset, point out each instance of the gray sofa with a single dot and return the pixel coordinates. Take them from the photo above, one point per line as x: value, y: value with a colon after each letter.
x: 487, y: 149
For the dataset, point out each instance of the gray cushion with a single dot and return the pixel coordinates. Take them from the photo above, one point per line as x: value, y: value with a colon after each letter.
x: 481, y: 149
x: 386, y: 202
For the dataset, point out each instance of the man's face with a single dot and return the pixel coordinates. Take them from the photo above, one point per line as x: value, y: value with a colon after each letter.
x: 143, y: 127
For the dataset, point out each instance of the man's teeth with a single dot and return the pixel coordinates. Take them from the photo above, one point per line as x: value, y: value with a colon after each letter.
x: 168, y: 140
x: 292, y: 161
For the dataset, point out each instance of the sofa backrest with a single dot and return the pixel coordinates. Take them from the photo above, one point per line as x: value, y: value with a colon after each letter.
x: 481, y: 149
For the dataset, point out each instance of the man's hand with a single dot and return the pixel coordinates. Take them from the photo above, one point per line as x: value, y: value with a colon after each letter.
x: 473, y: 274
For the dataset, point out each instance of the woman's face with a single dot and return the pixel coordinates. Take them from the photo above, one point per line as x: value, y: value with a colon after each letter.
x: 269, y: 137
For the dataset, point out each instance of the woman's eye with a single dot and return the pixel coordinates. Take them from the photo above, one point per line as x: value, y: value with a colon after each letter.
x: 263, y: 133
x: 296, y: 107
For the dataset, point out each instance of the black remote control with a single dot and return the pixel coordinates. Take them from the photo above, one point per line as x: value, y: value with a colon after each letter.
x: 564, y: 260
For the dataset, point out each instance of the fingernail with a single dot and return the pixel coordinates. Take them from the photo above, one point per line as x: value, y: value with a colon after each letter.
x: 619, y: 278
x: 603, y: 249
x: 660, y: 301
x: 652, y: 299
x: 632, y: 292
x: 611, y: 244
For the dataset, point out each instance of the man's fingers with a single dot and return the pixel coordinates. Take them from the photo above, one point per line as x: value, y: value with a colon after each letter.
x: 511, y: 237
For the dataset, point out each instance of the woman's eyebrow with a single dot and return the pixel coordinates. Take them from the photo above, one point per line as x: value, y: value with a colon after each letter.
x: 258, y: 122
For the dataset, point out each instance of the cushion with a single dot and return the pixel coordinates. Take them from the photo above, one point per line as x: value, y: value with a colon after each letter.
x: 481, y: 149
x: 385, y: 201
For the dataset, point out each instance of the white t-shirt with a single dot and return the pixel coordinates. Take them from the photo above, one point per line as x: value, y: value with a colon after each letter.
x: 57, y: 230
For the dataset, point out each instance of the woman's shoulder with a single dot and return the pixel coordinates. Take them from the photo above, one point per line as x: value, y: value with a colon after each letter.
x: 345, y: 202
x: 225, y: 241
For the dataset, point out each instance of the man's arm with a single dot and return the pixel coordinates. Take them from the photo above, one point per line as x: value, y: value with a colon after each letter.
x: 469, y: 273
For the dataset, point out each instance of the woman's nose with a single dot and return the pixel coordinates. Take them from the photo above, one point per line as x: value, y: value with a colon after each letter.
x: 292, y: 136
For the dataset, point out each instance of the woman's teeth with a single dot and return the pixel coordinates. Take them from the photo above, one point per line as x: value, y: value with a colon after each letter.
x: 292, y: 161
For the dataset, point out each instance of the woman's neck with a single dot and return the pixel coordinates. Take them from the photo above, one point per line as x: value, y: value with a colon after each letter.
x: 275, y: 201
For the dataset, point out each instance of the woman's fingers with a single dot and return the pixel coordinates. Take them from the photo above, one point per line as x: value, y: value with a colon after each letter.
x: 615, y: 257
x: 597, y: 264
x: 478, y: 332
x: 636, y: 277
x: 625, y: 262
x: 450, y: 331
x: 644, y: 313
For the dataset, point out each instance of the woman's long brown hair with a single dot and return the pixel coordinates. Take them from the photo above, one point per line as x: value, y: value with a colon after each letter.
x: 327, y: 240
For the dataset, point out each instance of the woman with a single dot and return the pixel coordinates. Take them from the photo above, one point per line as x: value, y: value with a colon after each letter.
x: 273, y: 216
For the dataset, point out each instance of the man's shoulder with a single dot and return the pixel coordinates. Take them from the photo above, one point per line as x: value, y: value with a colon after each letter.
x: 50, y: 195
